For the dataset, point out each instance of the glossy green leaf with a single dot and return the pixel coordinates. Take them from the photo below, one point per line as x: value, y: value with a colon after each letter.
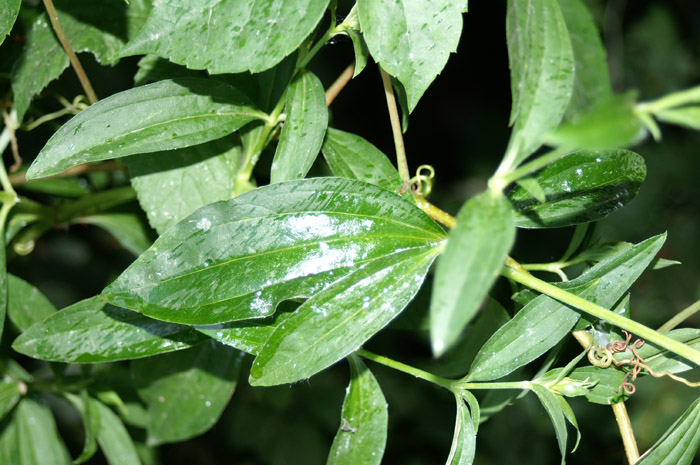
x: 38, y: 442
x: 464, y: 438
x: 535, y: 329
x: 684, y: 116
x: 171, y: 185
x: 261, y: 33
x: 10, y: 393
x: 185, y: 392
x: 359, y: 46
x: 361, y: 437
x: 99, y: 26
x: 8, y: 15
x: 152, y: 68
x: 238, y: 259
x: 541, y: 70
x: 93, y: 331
x: 583, y: 186
x: 679, y: 443
x: 411, y: 40
x: 303, y: 130
x: 591, y: 81
x: 611, y: 123
x: 172, y: 114
x: 127, y: 228
x: 476, y: 250
x: 350, y: 156
x: 338, y: 320
x: 26, y: 304
x: 552, y: 404
x: 113, y: 437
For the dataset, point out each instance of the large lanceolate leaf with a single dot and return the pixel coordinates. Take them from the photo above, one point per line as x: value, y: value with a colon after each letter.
x: 185, y: 392
x: 303, y: 131
x: 8, y: 15
x: 171, y: 185
x: 361, y: 437
x: 542, y: 72
x: 26, y: 305
x: 679, y: 444
x: 94, y: 331
x: 350, y: 156
x: 98, y: 26
x: 235, y: 36
x: 581, y: 187
x: 237, y: 259
x: 411, y: 40
x: 476, y: 250
x: 38, y: 442
x: 171, y: 114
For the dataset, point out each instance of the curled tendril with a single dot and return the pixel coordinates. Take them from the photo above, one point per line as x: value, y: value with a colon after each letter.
x: 600, y: 356
x: 422, y: 184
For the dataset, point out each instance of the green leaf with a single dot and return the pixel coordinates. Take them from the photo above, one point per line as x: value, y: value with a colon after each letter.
x: 9, y: 446
x: 688, y: 117
x: 185, y: 392
x: 93, y: 331
x: 342, y: 317
x: 171, y: 185
x: 63, y: 187
x: 99, y: 26
x: 26, y: 304
x: 359, y: 46
x: 679, y: 443
x: 542, y: 72
x: 10, y: 393
x: 552, y: 403
x: 172, y: 114
x: 361, y: 437
x: 611, y: 123
x: 4, y: 297
x: 350, y: 156
x: 292, y: 239
x: 535, y: 329
x: 532, y: 187
x: 607, y: 383
x: 476, y: 250
x: 91, y: 424
x: 591, y: 81
x: 464, y: 437
x: 660, y: 360
x: 303, y: 130
x: 8, y: 14
x: 152, y: 68
x: 411, y: 40
x: 37, y: 437
x: 113, y: 437
x: 583, y: 186
x: 129, y: 229
x: 261, y: 33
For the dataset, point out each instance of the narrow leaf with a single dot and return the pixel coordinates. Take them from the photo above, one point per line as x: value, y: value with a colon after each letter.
x: 93, y: 331
x: 91, y: 424
x: 37, y: 437
x: 532, y: 187
x: 113, y: 437
x: 552, y: 404
x: 303, y: 130
x: 8, y: 14
x: 542, y: 72
x: 185, y: 392
x: 359, y: 46
x: 476, y: 250
x: 584, y: 186
x: 172, y: 114
x: 350, y: 156
x: 261, y: 33
x: 678, y: 445
x: 411, y: 40
x: 607, y: 381
x: 688, y: 117
x: 4, y: 297
x: 170, y: 185
x: 291, y: 240
x: 361, y: 437
x: 10, y: 393
x: 464, y: 437
x: 129, y: 229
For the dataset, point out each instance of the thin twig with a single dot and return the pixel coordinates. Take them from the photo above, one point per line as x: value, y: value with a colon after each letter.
x: 82, y: 77
x: 680, y: 317
x: 20, y: 178
x: 339, y: 84
x: 401, y: 162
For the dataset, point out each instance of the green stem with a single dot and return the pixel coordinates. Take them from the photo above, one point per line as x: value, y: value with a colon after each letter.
x: 518, y: 385
x: 680, y: 317
x: 435, y: 213
x: 644, y: 332
x: 5, y: 137
x: 675, y: 99
x: 401, y: 162
x: 500, y: 182
x: 95, y: 203
x: 402, y: 367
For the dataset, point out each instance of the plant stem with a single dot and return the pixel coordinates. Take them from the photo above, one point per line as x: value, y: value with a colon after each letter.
x: 435, y: 213
x: 674, y: 99
x: 82, y: 77
x: 518, y: 385
x: 401, y: 162
x: 528, y: 168
x: 5, y: 137
x: 20, y: 178
x: 626, y: 431
x: 680, y: 317
x: 339, y: 84
x: 418, y: 373
x: 597, y: 311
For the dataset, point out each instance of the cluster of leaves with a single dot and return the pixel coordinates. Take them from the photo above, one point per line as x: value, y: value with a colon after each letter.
x: 302, y: 272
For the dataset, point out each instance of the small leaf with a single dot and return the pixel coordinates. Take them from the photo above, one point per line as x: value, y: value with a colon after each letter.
x: 476, y: 250
x: 261, y: 33
x: 679, y: 443
x: 172, y: 114
x: 128, y: 229
x: 113, y: 437
x: 607, y: 381
x: 411, y: 40
x: 91, y: 424
x: 361, y: 437
x: 186, y: 392
x: 535, y: 329
x: 553, y: 405
x: 37, y: 437
x: 359, y: 46
x: 10, y: 393
x: 350, y: 156
x: 464, y: 438
x: 303, y: 130
x: 238, y: 259
x: 688, y: 117
x: 542, y: 72
x: 93, y: 331
x: 8, y: 14
x: 170, y: 185
x: 533, y: 188
x: 584, y: 186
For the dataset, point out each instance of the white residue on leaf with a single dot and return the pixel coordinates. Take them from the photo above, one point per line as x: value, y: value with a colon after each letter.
x: 203, y: 224
x: 260, y: 305
x: 325, y: 259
